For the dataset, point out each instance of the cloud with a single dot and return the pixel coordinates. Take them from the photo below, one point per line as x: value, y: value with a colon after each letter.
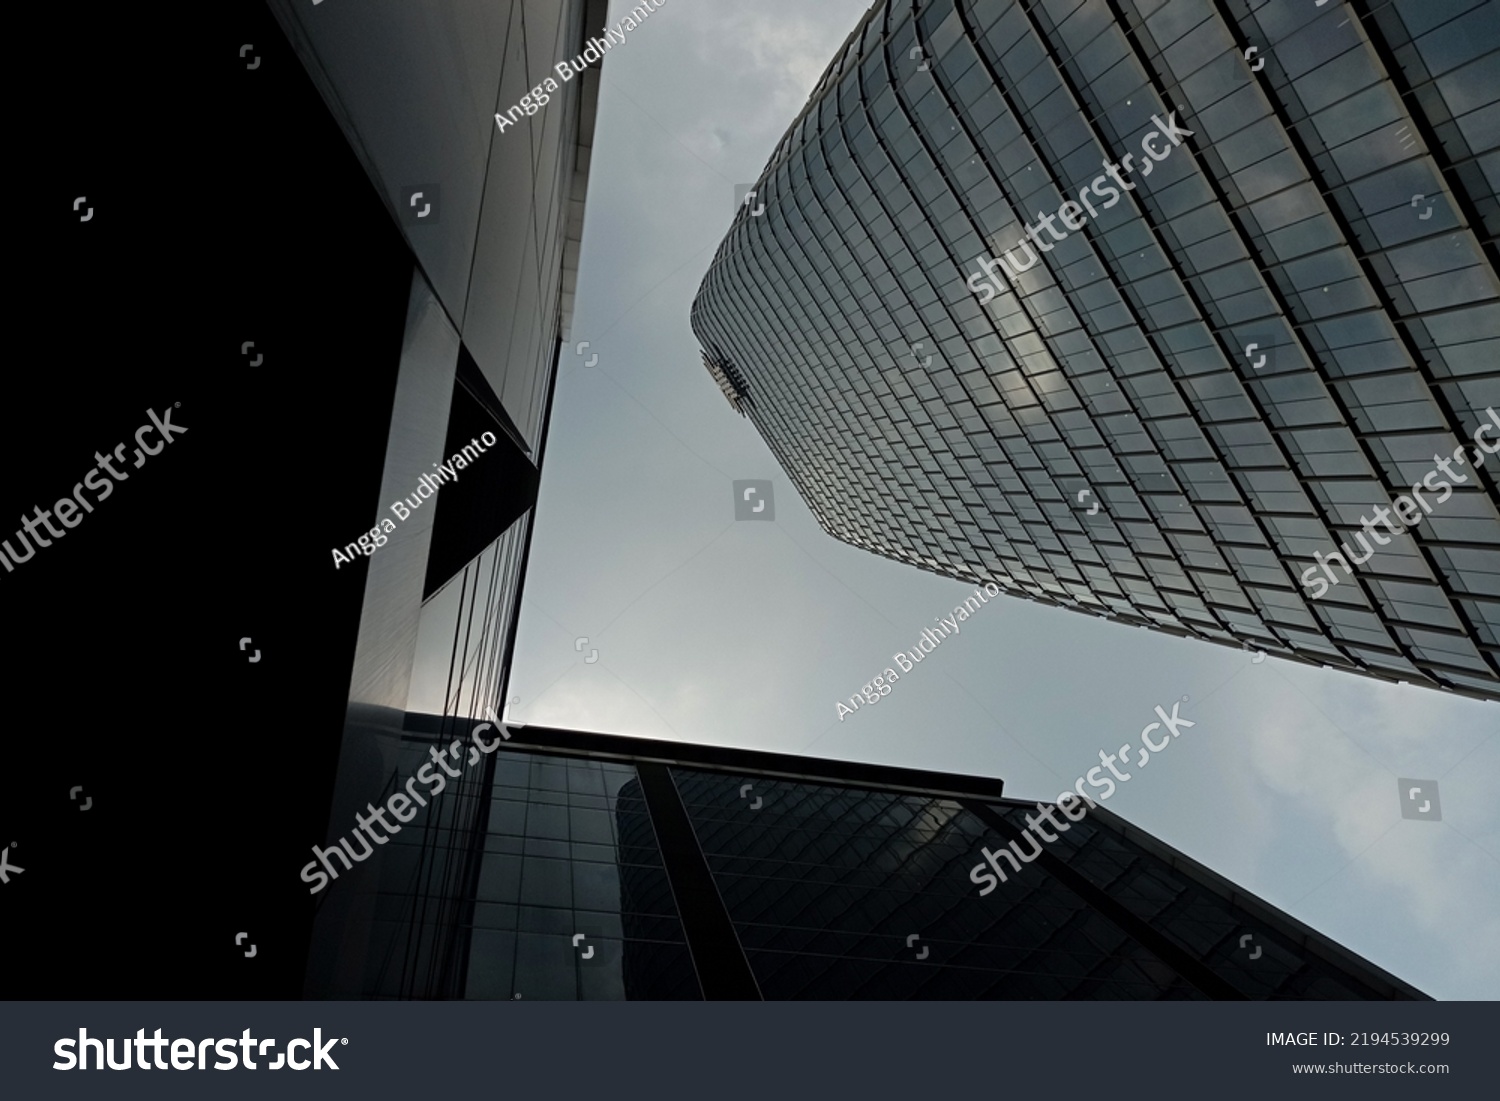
x: 1445, y: 883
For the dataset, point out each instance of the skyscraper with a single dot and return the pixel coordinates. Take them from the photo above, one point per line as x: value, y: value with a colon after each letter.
x: 614, y: 868
x: 1178, y: 314
x: 491, y: 207
x: 296, y: 233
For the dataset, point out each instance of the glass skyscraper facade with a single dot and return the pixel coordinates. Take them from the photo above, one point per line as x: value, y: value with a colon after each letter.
x: 603, y: 868
x: 493, y: 218
x: 1180, y: 405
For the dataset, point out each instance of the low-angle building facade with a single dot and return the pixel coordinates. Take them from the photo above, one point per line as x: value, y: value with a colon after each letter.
x: 1177, y: 314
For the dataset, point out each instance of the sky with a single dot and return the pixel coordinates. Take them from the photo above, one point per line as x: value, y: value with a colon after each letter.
x: 703, y: 628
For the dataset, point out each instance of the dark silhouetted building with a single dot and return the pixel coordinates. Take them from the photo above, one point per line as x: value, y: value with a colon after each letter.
x: 493, y: 217
x: 298, y: 233
x: 606, y: 867
x: 1251, y: 299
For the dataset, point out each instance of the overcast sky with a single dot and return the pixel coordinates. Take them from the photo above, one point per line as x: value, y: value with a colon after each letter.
x: 748, y: 633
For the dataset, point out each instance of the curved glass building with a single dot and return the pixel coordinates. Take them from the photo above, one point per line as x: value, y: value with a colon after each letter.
x: 1181, y: 314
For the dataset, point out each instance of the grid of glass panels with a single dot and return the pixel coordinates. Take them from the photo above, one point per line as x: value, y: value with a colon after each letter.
x: 833, y: 892
x: 1274, y: 963
x: 573, y: 901
x: 1335, y: 208
x: 827, y: 886
x: 846, y: 893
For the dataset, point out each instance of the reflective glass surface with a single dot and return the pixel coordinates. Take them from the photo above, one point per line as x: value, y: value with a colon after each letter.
x: 573, y: 900
x: 1219, y: 361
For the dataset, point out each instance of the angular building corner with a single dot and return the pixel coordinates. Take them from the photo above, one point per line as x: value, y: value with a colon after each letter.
x: 492, y: 219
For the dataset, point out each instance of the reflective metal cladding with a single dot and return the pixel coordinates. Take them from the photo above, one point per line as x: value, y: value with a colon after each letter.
x: 1179, y: 314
